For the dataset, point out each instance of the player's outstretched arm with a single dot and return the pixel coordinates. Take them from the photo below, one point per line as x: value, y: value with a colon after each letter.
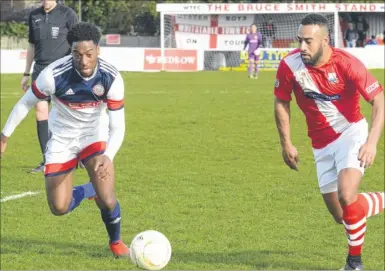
x: 18, y: 113
x: 282, y: 120
x: 377, y: 122
x: 117, y: 132
x: 116, y: 136
x: 43, y: 87
x: 282, y: 91
x: 368, y: 151
x: 371, y: 90
x: 117, y: 128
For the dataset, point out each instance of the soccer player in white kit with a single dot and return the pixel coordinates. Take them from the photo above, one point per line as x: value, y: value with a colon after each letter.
x: 82, y: 87
x: 327, y: 83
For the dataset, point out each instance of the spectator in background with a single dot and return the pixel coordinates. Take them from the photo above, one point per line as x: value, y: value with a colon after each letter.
x: 372, y: 41
x: 347, y: 17
x: 48, y: 27
x: 380, y: 39
x: 351, y: 36
x: 344, y: 24
x: 362, y: 27
x: 268, y: 31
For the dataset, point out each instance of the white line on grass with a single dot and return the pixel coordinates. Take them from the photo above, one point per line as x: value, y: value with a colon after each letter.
x: 10, y: 95
x: 19, y: 196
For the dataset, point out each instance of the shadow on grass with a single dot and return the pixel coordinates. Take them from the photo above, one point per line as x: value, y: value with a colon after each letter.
x: 260, y: 260
x: 10, y: 245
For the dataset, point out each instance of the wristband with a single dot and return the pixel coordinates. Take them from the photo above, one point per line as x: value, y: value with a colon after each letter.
x: 26, y: 74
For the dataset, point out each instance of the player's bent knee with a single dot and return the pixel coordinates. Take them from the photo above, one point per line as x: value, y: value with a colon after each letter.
x: 110, y: 203
x: 107, y: 203
x: 349, y: 180
x: 59, y: 193
x: 58, y: 209
x: 346, y: 198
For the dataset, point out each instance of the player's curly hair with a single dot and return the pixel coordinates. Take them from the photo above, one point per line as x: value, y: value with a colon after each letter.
x: 316, y: 19
x: 83, y: 32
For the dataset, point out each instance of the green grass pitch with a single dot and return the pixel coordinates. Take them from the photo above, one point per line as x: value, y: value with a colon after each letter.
x: 201, y: 162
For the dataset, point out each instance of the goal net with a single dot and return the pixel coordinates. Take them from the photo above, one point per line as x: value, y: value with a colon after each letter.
x: 217, y: 31
x: 222, y: 37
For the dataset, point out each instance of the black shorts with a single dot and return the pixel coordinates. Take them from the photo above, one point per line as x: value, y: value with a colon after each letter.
x: 37, y: 69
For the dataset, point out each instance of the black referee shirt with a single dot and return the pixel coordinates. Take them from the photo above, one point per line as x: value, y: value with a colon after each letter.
x: 48, y: 33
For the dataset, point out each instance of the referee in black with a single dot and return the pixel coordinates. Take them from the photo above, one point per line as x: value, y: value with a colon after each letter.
x: 48, y: 27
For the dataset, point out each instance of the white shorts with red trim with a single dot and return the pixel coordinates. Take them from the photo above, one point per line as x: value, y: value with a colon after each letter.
x: 340, y: 154
x: 63, y: 154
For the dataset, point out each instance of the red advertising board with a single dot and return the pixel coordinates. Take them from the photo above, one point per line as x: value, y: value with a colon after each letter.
x: 173, y: 60
x: 113, y: 39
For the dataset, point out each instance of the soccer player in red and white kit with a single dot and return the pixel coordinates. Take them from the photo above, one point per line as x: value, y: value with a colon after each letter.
x: 327, y: 83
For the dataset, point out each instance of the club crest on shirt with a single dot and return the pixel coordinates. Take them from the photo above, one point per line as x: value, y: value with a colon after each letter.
x: 309, y: 88
x: 332, y: 77
x: 55, y: 32
x: 98, y: 90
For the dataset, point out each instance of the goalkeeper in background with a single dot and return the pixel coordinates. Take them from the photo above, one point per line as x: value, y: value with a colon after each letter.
x: 253, y: 41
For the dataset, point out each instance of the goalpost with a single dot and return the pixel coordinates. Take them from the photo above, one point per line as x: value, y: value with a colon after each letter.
x: 216, y: 31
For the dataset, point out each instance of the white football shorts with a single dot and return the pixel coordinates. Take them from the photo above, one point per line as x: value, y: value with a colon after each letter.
x: 63, y: 153
x: 340, y: 154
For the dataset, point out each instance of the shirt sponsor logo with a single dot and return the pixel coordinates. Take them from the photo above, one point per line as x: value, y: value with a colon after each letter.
x: 83, y: 105
x: 321, y: 97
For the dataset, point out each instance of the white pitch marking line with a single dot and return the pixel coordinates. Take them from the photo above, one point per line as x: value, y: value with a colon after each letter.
x: 19, y: 196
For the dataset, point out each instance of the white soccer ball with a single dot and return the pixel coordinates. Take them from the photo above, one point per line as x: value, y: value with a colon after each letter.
x: 150, y: 250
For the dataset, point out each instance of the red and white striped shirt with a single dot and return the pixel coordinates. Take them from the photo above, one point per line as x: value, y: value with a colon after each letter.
x: 329, y: 95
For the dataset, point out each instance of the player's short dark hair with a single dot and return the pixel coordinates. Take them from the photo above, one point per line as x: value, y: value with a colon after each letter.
x: 315, y: 19
x: 84, y: 32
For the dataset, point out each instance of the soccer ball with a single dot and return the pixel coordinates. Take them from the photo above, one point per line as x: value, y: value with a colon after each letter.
x: 150, y: 250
